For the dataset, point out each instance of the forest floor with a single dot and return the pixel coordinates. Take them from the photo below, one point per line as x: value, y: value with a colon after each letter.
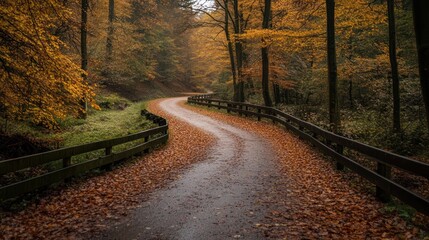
x: 315, y: 201
x: 84, y: 206
x: 297, y: 193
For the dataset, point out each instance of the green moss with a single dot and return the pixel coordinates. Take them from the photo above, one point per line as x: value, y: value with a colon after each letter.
x: 108, y: 123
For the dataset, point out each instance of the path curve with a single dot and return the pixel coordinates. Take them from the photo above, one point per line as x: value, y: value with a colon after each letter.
x: 217, y: 198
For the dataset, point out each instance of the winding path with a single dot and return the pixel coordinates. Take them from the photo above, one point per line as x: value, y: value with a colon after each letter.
x: 217, y: 198
x: 238, y: 178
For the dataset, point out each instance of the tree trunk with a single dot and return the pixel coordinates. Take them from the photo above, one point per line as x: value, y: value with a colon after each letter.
x: 351, y: 94
x: 231, y: 52
x: 394, y: 66
x: 248, y: 86
x: 238, y: 53
x: 421, y: 26
x: 110, y: 31
x: 265, y: 76
x: 276, y: 93
x: 265, y: 57
x: 334, y: 114
x: 84, y: 50
x: 286, y: 95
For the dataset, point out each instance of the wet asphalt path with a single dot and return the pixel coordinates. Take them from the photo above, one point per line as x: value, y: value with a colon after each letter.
x: 217, y: 198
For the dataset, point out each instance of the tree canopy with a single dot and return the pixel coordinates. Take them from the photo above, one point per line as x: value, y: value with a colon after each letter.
x: 38, y: 81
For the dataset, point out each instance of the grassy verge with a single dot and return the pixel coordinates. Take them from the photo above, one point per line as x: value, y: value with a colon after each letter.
x: 106, y: 124
x: 118, y: 117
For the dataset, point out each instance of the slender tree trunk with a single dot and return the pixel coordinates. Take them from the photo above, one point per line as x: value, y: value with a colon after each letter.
x: 265, y: 76
x: 276, y: 93
x: 286, y: 94
x: 231, y: 52
x: 351, y: 94
x: 421, y: 25
x: 334, y: 114
x: 83, y: 37
x: 350, y: 58
x: 265, y: 57
x: 110, y: 31
x: 249, y: 87
x: 394, y: 66
x: 238, y: 53
x: 84, y: 50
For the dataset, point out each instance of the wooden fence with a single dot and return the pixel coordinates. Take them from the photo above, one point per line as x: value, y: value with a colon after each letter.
x: 152, y: 138
x: 334, y: 146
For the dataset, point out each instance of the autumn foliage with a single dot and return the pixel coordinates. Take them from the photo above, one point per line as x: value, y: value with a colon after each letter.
x: 38, y: 82
x: 298, y: 76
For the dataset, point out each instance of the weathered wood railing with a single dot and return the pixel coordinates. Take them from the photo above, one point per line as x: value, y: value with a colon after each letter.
x: 333, y: 145
x: 152, y: 138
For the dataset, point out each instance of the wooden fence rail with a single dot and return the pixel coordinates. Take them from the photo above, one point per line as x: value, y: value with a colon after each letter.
x: 152, y: 138
x: 334, y: 145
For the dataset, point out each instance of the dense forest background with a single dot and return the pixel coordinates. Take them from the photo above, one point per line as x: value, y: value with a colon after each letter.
x: 298, y: 60
x: 136, y: 48
x: 58, y: 56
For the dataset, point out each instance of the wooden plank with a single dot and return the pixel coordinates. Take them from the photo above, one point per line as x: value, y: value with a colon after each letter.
x: 380, y: 155
x: 385, y: 171
x: 392, y: 159
x: 418, y: 202
x: 408, y: 164
x: 16, y: 164
x: 32, y: 184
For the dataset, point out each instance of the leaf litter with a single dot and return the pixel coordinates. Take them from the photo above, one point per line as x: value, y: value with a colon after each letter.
x: 315, y: 201
x: 86, y: 206
x: 311, y: 200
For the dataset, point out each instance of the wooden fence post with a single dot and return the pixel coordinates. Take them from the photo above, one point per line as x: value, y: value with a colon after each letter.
x: 340, y: 150
x: 218, y: 106
x: 239, y: 111
x: 301, y: 129
x: 385, y: 171
x: 274, y: 115
x: 314, y: 135
x: 163, y: 122
x: 259, y: 116
x: 228, y: 110
x: 328, y: 143
x: 66, y: 162
x: 108, y: 151
x: 146, y: 139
